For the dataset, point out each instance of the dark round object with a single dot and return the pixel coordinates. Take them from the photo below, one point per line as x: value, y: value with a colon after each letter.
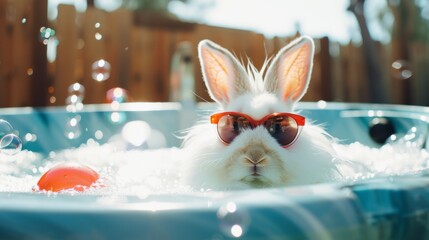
x: 187, y: 59
x: 380, y: 129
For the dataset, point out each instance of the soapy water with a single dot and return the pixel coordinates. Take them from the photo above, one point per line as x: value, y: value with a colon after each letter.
x: 401, y: 155
x: 127, y: 169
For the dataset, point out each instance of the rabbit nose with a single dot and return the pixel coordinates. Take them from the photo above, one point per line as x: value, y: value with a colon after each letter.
x: 255, y: 156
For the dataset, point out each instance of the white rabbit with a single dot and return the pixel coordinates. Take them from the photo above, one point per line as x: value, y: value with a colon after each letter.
x: 254, y: 158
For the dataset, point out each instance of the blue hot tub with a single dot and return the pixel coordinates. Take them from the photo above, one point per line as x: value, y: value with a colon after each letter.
x: 382, y: 208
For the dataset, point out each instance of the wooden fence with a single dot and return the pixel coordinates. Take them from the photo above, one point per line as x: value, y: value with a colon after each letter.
x: 140, y: 46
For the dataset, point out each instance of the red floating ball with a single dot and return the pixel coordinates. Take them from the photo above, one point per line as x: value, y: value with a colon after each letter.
x: 68, y: 176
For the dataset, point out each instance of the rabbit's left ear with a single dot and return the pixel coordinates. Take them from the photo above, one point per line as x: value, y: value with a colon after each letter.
x: 290, y: 71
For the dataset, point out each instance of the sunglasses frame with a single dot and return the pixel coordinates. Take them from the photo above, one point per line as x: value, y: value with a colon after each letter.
x: 300, y: 121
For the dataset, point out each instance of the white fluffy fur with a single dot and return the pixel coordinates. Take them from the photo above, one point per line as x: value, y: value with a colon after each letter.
x: 214, y: 165
x: 210, y: 164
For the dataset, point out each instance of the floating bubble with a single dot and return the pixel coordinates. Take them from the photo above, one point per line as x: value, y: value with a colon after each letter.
x: 98, y: 36
x: 412, y: 139
x: 45, y: 34
x: 401, y: 69
x: 5, y: 128
x: 30, y: 137
x: 73, y: 129
x: 119, y: 95
x: 136, y: 132
x: 234, y: 222
x: 78, y: 90
x: 118, y: 117
x: 322, y: 104
x: 98, y: 134
x: 73, y: 107
x: 10, y: 144
x: 75, y: 97
x: 101, y: 70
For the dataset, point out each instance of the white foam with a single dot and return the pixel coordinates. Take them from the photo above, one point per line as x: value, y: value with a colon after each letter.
x: 144, y: 172
x: 389, y: 160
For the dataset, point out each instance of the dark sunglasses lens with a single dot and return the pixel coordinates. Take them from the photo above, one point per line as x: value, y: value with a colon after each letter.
x: 229, y: 126
x: 283, y: 128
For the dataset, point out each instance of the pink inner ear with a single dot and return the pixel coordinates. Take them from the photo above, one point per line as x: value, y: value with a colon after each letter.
x: 216, y: 73
x: 296, y: 69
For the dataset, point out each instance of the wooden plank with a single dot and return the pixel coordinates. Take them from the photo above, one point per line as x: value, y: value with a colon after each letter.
x: 384, y: 56
x: 39, y: 79
x: 159, y: 66
x: 66, y: 52
x: 360, y: 71
x: 119, y: 22
x: 346, y: 65
x: 22, y: 54
x: 140, y: 86
x: 338, y: 82
x: 356, y: 73
x: 325, y: 70
x: 6, y: 40
x: 95, y: 30
x: 394, y: 80
x: 419, y: 53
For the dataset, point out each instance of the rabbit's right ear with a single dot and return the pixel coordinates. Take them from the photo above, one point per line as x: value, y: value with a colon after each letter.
x: 223, y: 75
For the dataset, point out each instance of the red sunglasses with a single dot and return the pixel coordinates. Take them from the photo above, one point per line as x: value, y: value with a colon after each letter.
x: 284, y: 127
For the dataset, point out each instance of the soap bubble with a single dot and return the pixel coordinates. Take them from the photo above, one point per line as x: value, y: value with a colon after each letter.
x: 45, y: 34
x: 100, y: 70
x: 401, y: 69
x: 234, y: 222
x: 10, y: 144
x: 98, y: 36
x: 73, y: 129
x: 412, y: 139
x: 136, y: 132
x: 73, y: 105
x: 5, y: 128
x: 98, y: 134
x: 118, y: 95
x: 74, y: 99
x: 30, y: 137
x: 322, y: 104
x: 78, y: 90
x: 117, y: 117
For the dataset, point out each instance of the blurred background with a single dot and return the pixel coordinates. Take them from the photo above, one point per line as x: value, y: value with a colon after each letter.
x: 54, y: 51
